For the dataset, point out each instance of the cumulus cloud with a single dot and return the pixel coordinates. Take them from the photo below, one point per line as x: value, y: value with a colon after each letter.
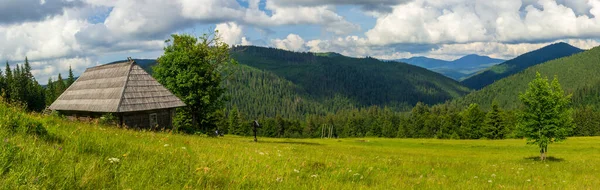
x: 293, y: 42
x: 230, y: 33
x: 16, y: 11
x: 462, y: 21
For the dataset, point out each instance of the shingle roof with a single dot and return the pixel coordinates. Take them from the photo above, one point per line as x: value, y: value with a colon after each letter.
x: 116, y: 87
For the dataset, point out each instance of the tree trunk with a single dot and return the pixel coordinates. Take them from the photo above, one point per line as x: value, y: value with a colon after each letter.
x: 543, y: 151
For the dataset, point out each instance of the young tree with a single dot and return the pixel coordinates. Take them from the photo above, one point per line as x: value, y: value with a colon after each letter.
x: 494, y: 127
x: 546, y: 117
x: 193, y: 68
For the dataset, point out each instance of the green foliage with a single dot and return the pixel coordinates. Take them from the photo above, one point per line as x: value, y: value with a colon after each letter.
x: 577, y: 73
x: 71, y: 78
x: 19, y: 86
x: 192, y: 68
x: 546, y: 117
x: 520, y: 63
x: 472, y: 122
x: 109, y: 119
x: 587, y: 122
x: 336, y: 82
x: 494, y: 127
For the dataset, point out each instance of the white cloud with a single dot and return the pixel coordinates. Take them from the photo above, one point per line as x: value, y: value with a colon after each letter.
x: 293, y: 42
x: 462, y: 21
x: 230, y: 33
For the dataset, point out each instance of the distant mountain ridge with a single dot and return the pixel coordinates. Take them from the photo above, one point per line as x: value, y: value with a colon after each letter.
x: 577, y: 74
x: 520, y: 63
x: 456, y: 69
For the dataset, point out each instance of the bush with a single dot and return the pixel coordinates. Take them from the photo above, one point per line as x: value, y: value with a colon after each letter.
x: 109, y: 119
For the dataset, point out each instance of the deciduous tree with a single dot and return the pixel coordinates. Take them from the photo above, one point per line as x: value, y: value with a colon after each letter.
x: 545, y: 117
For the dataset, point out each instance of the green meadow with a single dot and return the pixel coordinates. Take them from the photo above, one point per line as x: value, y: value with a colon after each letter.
x: 43, y: 152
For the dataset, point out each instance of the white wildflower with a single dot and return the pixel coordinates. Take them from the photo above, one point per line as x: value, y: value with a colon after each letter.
x: 113, y: 160
x: 493, y: 175
x: 356, y: 174
x: 184, y: 148
x: 261, y: 153
x: 279, y: 179
x: 528, y: 179
x: 314, y: 175
x: 166, y: 145
x: 489, y: 181
x: 297, y: 171
x: 475, y: 177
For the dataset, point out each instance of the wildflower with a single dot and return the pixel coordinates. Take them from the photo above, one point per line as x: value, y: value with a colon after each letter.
x: 528, y: 180
x: 356, y: 174
x: 184, y: 148
x: 279, y: 179
x: 113, y: 160
x: 493, y: 175
x: 490, y: 181
x: 261, y: 153
x: 475, y: 177
x: 297, y: 171
x: 166, y: 145
x: 314, y: 175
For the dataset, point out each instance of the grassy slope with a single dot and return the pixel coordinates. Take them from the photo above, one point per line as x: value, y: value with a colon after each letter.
x: 522, y: 62
x: 77, y: 157
x: 574, y: 72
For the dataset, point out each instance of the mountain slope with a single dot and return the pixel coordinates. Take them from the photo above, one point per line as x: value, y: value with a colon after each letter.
x: 365, y: 81
x: 520, y: 63
x: 456, y: 69
x: 578, y: 74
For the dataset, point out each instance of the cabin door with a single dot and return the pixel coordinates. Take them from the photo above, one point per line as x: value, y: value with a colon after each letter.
x: 153, y: 120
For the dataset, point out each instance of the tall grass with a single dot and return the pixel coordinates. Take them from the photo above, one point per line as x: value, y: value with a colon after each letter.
x: 44, y: 152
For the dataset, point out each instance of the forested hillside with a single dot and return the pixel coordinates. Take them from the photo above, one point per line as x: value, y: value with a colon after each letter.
x: 520, y: 63
x: 270, y: 82
x: 336, y: 81
x: 578, y: 74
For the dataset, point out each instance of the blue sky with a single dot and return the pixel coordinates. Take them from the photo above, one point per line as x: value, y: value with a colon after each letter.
x: 56, y: 34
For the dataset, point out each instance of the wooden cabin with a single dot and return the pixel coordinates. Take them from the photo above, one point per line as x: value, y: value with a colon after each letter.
x: 123, y: 89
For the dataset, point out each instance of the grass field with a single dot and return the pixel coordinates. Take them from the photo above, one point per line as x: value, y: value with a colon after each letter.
x: 75, y: 155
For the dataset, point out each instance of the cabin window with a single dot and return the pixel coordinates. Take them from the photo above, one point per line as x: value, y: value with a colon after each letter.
x: 153, y: 120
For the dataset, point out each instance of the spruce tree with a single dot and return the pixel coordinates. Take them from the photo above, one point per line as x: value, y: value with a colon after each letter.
x: 9, y: 83
x: 71, y: 78
x: 60, y: 86
x: 472, y: 121
x: 50, y: 97
x: 494, y: 127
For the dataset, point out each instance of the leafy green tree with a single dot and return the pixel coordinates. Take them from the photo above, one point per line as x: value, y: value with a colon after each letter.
x: 472, y: 121
x: 545, y: 117
x: 494, y: 127
x: 71, y: 78
x: 192, y: 68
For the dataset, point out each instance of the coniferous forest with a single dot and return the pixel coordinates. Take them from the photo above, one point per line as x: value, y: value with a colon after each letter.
x: 310, y: 95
